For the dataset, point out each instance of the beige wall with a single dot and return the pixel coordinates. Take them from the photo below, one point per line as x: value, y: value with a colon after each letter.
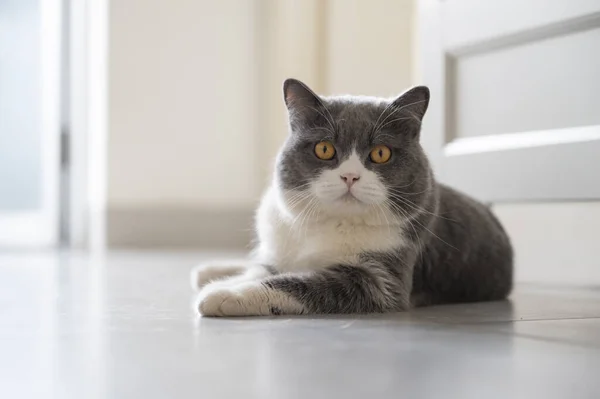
x: 182, y: 103
x: 290, y: 43
x: 369, y: 47
x: 195, y: 108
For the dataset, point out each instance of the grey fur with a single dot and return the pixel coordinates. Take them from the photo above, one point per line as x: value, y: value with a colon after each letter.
x: 458, y: 250
x: 378, y: 284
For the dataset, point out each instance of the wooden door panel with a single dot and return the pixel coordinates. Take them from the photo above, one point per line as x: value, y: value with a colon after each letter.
x: 514, y: 112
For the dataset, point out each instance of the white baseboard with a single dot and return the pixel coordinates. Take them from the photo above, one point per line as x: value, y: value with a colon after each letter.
x: 179, y: 227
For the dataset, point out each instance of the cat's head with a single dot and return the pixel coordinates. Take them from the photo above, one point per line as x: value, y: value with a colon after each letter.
x: 349, y: 155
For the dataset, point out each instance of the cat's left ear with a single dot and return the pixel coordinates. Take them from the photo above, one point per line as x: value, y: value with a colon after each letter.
x: 303, y: 104
x: 297, y: 95
x: 413, y: 102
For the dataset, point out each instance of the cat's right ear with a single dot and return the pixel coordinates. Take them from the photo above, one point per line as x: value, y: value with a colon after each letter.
x: 302, y: 103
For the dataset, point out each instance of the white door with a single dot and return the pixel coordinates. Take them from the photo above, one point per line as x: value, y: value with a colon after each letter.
x: 515, y: 108
x: 30, y: 59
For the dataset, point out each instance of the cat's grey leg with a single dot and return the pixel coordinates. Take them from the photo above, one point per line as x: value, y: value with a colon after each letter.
x: 378, y: 283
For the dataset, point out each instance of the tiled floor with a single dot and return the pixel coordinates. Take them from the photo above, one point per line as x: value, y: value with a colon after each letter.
x: 122, y: 326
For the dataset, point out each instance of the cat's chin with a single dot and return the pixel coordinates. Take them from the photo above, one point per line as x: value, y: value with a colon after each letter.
x: 347, y: 205
x: 349, y: 198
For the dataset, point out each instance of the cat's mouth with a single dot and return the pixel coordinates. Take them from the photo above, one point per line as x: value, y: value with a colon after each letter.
x: 349, y: 198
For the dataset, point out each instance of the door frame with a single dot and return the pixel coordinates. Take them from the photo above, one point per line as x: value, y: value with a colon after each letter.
x: 88, y: 123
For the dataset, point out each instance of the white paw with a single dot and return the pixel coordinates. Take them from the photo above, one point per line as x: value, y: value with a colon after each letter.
x: 244, y: 299
x: 206, y: 273
x: 249, y: 298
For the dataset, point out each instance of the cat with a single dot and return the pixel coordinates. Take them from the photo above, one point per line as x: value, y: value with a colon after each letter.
x: 355, y: 222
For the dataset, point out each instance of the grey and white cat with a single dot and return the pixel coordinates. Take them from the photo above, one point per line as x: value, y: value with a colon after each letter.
x: 354, y: 221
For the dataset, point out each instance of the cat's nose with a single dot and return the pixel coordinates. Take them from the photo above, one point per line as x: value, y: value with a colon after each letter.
x: 350, y: 178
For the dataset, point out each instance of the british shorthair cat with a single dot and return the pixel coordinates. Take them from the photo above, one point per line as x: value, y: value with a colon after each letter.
x: 355, y: 222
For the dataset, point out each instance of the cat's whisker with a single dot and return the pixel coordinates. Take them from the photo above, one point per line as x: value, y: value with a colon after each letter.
x: 401, y: 195
x: 375, y: 127
x: 298, y: 194
x: 409, y: 218
x: 381, y: 135
x: 296, y: 199
x: 292, y: 204
x: 297, y: 188
x: 305, y: 183
x: 419, y: 209
x: 392, y: 121
x: 379, y: 220
x: 291, y: 194
x: 299, y: 215
x: 303, y: 214
x: 386, y: 220
x: 435, y: 235
x: 308, y: 218
x: 392, y: 189
x: 328, y: 119
x: 414, y: 181
x: 309, y: 215
x: 417, y: 235
x: 408, y: 185
x: 395, y: 110
x: 332, y: 121
x: 323, y: 128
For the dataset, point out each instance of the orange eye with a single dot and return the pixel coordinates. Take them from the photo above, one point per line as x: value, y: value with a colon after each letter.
x: 325, y: 150
x: 380, y: 154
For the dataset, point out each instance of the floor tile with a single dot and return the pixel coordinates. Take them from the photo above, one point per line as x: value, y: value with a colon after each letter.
x: 122, y: 326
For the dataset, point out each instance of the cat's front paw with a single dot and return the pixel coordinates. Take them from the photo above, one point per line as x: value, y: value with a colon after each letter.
x: 245, y: 299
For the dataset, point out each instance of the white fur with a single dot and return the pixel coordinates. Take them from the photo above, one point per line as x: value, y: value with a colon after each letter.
x: 327, y: 227
x: 248, y: 298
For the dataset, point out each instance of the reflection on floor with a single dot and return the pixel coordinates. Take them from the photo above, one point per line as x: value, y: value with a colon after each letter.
x: 122, y: 326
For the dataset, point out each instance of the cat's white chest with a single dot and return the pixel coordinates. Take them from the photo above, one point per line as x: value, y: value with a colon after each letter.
x: 321, y: 242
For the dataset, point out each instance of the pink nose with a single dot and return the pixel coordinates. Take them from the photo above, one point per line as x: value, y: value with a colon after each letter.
x: 350, y: 178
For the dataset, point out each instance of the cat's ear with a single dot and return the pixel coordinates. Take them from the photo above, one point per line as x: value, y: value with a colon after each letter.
x: 297, y: 94
x: 412, y: 103
x: 302, y: 103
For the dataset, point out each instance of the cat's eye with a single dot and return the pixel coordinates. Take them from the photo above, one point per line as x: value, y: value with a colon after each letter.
x: 324, y: 150
x: 380, y: 154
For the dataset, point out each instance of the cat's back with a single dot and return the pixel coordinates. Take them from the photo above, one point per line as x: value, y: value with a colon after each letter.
x: 468, y: 258
x: 458, y: 209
